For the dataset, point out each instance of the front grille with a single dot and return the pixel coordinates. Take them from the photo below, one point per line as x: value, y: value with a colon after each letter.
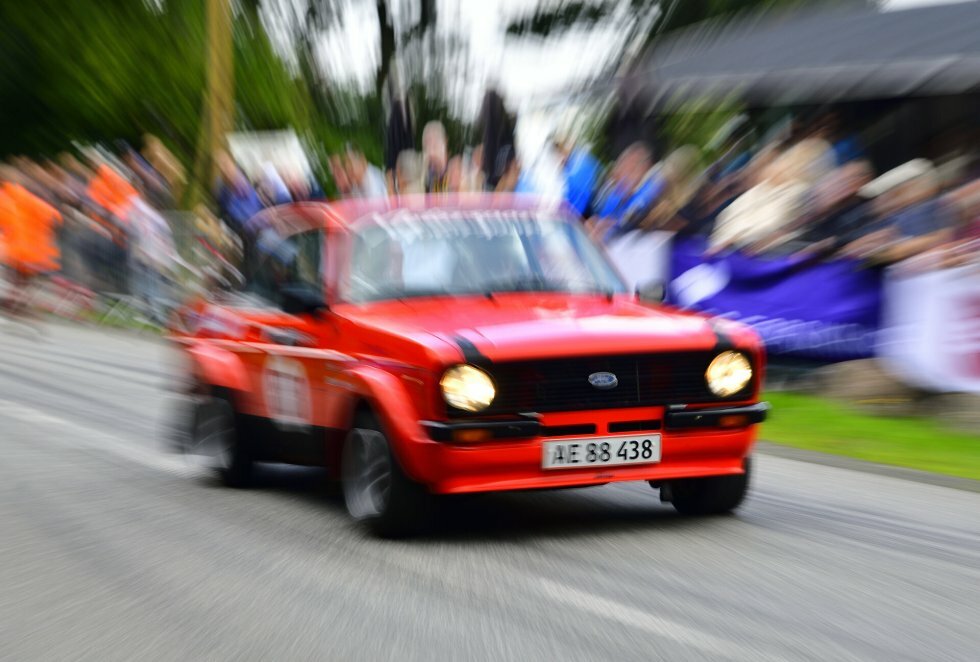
x: 563, y: 384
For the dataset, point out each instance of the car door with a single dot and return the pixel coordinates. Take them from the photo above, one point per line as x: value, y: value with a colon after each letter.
x: 284, y: 360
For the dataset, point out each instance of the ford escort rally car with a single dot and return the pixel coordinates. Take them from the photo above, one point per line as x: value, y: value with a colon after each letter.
x: 426, y: 347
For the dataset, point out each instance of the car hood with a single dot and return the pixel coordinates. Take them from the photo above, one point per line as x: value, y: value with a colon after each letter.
x: 522, y: 326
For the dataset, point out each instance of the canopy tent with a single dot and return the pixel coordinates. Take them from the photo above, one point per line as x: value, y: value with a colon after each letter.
x: 814, y: 58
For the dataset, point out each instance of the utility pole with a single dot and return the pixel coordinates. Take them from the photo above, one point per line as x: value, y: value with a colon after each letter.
x: 221, y: 77
x: 219, y: 104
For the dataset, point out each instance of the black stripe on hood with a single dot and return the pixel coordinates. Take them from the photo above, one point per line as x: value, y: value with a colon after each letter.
x: 723, y: 341
x: 471, y: 353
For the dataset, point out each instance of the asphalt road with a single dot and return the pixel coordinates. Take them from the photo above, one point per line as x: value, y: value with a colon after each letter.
x: 111, y: 549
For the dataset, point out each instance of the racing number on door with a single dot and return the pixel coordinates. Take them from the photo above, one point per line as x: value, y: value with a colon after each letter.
x: 287, y: 391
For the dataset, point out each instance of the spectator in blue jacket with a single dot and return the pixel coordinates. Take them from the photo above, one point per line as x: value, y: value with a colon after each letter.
x: 238, y: 204
x: 630, y: 190
x: 581, y: 172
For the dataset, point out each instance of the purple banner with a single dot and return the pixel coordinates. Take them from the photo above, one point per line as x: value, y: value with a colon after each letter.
x: 802, y: 307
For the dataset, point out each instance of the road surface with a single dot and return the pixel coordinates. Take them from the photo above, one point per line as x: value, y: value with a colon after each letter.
x: 110, y: 549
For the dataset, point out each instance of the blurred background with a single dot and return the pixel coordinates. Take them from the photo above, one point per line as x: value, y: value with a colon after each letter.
x: 808, y: 168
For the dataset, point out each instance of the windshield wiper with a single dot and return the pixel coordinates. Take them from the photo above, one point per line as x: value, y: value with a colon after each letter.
x: 529, y: 284
x: 538, y: 284
x: 523, y: 284
x: 401, y: 294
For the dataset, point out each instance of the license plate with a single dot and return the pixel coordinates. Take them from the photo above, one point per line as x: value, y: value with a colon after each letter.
x: 600, y: 451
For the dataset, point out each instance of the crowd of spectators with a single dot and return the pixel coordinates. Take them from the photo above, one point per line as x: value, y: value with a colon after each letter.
x: 103, y: 221
x: 91, y: 218
x: 98, y: 218
x: 809, y: 193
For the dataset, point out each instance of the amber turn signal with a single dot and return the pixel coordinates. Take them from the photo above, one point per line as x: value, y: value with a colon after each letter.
x: 471, y: 435
x: 736, y: 421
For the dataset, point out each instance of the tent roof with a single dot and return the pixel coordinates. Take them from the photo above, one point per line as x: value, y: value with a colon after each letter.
x: 818, y: 57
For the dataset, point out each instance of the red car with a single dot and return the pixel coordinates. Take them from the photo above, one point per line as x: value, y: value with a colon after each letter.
x: 458, y: 345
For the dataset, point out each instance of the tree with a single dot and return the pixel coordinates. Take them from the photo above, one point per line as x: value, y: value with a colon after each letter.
x: 103, y: 70
x: 409, y: 51
x: 100, y: 71
x: 645, y: 21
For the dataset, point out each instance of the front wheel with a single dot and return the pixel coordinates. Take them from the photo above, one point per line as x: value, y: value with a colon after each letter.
x: 708, y: 496
x: 376, y: 490
x: 218, y: 440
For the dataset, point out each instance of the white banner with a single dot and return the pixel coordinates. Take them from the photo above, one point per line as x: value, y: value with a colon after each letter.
x: 930, y: 335
x: 643, y: 258
x: 283, y: 149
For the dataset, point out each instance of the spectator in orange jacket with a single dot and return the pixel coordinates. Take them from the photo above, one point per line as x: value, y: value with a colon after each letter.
x: 111, y: 191
x: 27, y: 224
x: 27, y: 241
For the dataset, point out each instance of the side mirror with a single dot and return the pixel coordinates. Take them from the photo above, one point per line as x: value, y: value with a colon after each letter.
x: 653, y: 292
x: 297, y: 298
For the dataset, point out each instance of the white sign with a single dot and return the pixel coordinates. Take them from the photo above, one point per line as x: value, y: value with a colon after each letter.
x: 287, y: 392
x: 930, y: 334
x: 283, y: 149
x: 643, y: 258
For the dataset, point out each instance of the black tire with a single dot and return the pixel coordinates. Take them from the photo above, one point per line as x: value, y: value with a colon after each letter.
x: 709, y: 496
x: 376, y: 490
x: 217, y: 436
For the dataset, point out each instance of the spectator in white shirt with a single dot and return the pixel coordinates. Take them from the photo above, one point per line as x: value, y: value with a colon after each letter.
x: 367, y: 181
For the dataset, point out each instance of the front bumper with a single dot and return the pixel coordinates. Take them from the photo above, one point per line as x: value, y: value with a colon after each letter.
x: 721, y: 417
x: 694, y: 443
x: 530, y: 425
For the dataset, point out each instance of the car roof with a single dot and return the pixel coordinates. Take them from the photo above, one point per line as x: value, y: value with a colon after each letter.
x: 302, y: 216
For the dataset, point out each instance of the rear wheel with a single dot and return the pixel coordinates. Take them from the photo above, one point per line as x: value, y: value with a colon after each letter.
x: 708, y: 496
x: 217, y: 438
x: 376, y: 490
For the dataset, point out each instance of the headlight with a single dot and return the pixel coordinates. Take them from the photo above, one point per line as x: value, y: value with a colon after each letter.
x: 728, y: 373
x: 468, y: 388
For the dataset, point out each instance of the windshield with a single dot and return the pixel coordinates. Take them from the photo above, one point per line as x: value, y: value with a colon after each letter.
x: 464, y: 253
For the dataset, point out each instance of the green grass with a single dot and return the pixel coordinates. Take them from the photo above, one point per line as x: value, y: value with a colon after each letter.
x: 817, y: 424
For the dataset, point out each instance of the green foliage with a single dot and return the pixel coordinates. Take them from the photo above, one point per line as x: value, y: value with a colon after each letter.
x: 92, y: 71
x: 697, y: 123
x: 102, y: 70
x: 267, y: 97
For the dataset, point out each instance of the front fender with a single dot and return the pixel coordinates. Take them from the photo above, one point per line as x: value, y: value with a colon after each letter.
x: 393, y: 405
x: 215, y: 366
